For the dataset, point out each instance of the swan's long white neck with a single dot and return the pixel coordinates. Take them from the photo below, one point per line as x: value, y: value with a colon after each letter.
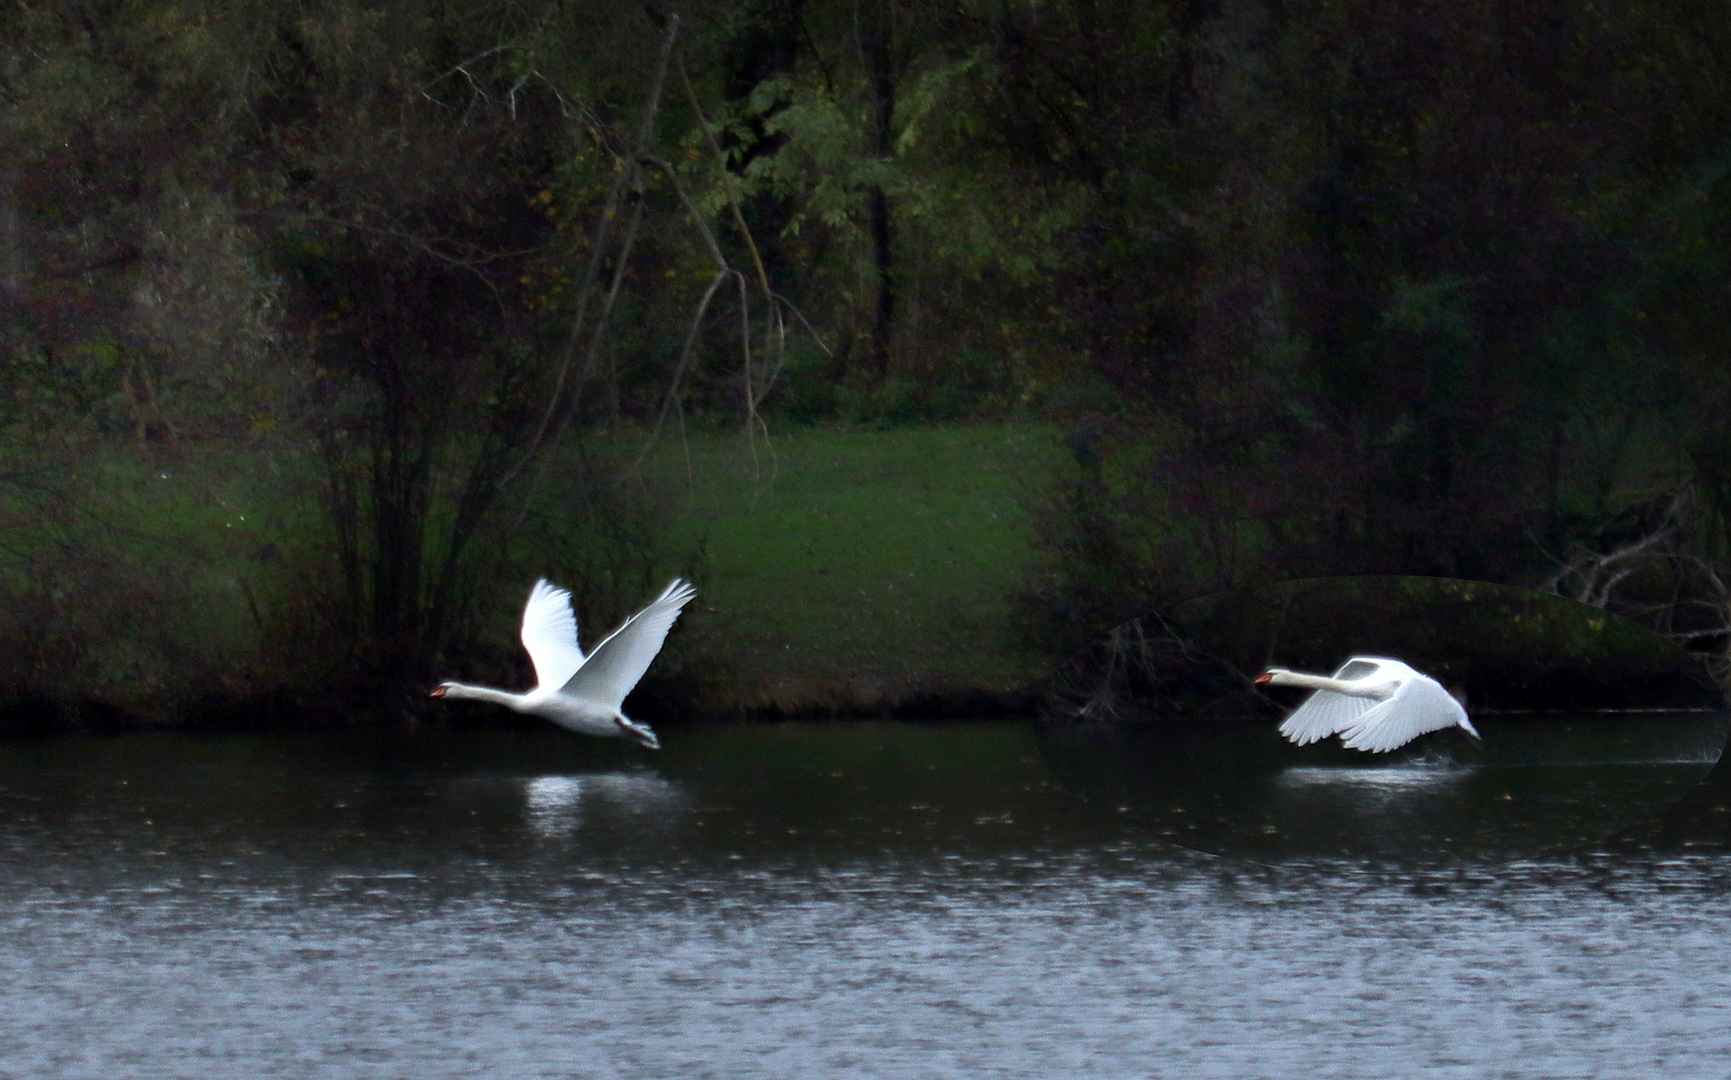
x: 485, y: 693
x: 1283, y: 677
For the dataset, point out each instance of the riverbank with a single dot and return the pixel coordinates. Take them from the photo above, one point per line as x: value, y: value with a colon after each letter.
x: 842, y: 572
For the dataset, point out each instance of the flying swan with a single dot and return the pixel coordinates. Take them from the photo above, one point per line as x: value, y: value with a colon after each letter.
x: 578, y: 692
x: 1372, y: 703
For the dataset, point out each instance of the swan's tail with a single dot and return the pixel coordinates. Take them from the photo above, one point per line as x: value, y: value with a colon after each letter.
x: 637, y: 732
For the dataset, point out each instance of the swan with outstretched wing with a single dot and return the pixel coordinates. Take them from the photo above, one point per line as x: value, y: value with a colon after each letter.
x: 1373, y: 703
x: 584, y: 693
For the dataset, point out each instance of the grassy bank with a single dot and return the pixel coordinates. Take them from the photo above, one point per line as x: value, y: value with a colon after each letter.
x: 842, y: 570
x: 841, y: 566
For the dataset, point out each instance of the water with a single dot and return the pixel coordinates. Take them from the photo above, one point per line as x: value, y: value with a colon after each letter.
x: 792, y: 901
x: 1538, y: 783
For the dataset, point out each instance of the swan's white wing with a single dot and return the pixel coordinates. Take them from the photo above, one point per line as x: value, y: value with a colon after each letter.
x: 1328, y: 711
x: 1360, y: 666
x: 550, y: 635
x: 1324, y: 713
x: 616, y: 664
x: 1420, y: 705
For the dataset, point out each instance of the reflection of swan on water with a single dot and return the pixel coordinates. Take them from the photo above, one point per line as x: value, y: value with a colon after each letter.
x: 1374, y: 704
x: 551, y: 794
x: 556, y: 803
x: 1414, y: 775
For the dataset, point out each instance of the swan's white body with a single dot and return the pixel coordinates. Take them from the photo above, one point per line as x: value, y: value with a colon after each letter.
x: 577, y: 692
x: 1372, y: 703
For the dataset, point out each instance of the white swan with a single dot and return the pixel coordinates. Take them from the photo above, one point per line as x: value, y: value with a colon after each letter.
x: 1372, y: 703
x: 578, y: 692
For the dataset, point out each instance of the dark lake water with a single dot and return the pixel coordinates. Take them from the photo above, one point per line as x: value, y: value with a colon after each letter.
x: 1537, y: 783
x: 794, y: 901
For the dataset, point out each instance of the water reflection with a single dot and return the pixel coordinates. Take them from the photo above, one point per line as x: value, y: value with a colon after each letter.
x: 1589, y: 723
x: 1537, y: 786
x: 553, y: 803
x: 1391, y: 778
x: 794, y: 900
x: 809, y: 794
x: 556, y: 804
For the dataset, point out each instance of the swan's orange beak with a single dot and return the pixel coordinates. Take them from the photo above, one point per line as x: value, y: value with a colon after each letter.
x: 1263, y: 678
x: 438, y: 691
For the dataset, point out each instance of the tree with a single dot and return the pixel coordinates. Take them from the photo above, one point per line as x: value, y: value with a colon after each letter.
x: 1389, y: 321
x: 363, y: 248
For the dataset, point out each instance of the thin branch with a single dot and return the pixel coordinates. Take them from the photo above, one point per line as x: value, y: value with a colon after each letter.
x: 775, y: 330
x: 745, y: 346
x: 645, y: 129
x: 462, y: 66
x: 685, y: 354
x: 726, y: 178
x: 425, y: 246
x: 690, y: 208
x: 588, y: 368
x: 788, y: 304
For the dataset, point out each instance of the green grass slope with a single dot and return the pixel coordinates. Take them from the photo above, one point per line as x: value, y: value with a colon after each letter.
x: 886, y: 555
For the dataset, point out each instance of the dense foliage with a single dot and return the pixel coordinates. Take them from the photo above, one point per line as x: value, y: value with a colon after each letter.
x: 1424, y: 287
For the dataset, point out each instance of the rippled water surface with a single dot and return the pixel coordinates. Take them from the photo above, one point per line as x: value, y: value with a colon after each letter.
x: 1538, y: 784
x: 798, y: 900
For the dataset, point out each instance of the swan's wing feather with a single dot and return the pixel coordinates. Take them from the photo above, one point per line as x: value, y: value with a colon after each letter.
x: 615, y: 665
x: 550, y: 635
x: 1358, y: 667
x: 1322, y: 714
x: 1420, y: 705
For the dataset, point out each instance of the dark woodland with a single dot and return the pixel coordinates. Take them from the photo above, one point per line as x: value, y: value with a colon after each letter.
x: 1435, y: 287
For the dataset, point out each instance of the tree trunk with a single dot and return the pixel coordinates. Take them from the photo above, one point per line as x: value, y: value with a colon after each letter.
x: 877, y: 31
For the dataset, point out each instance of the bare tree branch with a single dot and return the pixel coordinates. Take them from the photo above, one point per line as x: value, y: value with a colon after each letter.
x: 672, y: 397
x: 1658, y: 558
x: 632, y: 173
x: 776, y: 330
